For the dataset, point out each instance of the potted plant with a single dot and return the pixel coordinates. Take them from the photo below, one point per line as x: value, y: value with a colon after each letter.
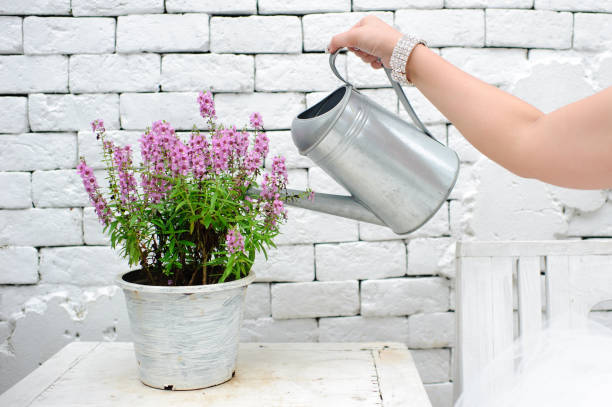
x: 189, y: 219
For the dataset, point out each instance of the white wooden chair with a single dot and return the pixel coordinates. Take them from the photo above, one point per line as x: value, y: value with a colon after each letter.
x: 562, y: 278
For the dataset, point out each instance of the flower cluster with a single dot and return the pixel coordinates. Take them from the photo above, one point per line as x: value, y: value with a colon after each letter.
x: 197, y: 212
x: 234, y: 241
x: 93, y: 190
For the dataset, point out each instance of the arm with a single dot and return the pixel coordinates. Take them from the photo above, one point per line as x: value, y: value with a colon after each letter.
x: 570, y: 147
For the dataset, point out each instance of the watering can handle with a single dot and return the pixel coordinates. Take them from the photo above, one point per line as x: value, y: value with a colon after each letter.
x: 396, y: 87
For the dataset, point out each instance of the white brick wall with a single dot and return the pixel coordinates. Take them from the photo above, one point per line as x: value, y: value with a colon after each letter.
x: 64, y: 63
x: 68, y: 35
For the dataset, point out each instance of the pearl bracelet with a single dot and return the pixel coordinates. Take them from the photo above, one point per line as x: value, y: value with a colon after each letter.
x: 399, y: 58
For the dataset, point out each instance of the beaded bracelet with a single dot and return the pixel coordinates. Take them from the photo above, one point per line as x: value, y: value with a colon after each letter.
x: 399, y: 58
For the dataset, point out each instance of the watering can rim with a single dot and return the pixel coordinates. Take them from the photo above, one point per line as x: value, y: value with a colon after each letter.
x: 333, y: 112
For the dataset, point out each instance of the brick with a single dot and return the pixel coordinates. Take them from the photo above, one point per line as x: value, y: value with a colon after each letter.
x: 257, y: 301
x: 360, y: 329
x: 315, y: 299
x: 437, y: 226
x: 366, y: 5
x: 510, y: 3
x: 598, y: 223
x: 362, y: 75
x: 28, y: 152
x: 285, y: 263
x: 281, y: 143
x: 215, y: 72
x: 81, y: 266
x: 68, y: 35
x: 497, y: 66
x: 384, y: 97
x: 297, y: 179
x: 212, y: 6
x: 11, y: 32
x: 59, y: 188
x: 13, y: 114
x: 41, y: 227
x: 282, y: 330
x: 252, y: 34
x: 322, y: 182
x: 302, y: 7
x: 444, y: 28
x: 305, y: 226
x: 116, y: 7
x: 465, y: 3
x: 320, y: 28
x: 91, y: 149
x: 604, y: 6
x: 467, y: 152
x: 93, y: 231
x: 603, y: 73
x: 16, y: 190
x: 18, y: 265
x: 435, y: 330
x: 162, y: 33
x: 592, y: 32
x: 426, y: 111
x: 277, y: 109
x: 503, y: 197
x: 29, y: 74
x: 403, y: 296
x: 458, y: 218
x: 431, y: 256
x: 114, y: 73
x: 140, y: 110
x: 529, y: 29
x: 433, y: 364
x: 583, y: 200
x: 360, y: 260
x: 302, y: 72
x: 24, y: 7
x: 440, y: 394
x: 466, y: 184
x: 547, y: 75
x: 72, y: 112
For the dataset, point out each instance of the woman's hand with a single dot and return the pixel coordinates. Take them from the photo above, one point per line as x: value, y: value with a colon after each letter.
x: 370, y: 39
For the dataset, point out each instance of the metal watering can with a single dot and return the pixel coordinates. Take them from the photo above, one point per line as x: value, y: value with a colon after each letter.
x: 398, y: 174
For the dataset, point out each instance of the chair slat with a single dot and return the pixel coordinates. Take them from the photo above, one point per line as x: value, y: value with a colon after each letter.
x: 557, y: 286
x: 529, y: 295
x: 484, y: 309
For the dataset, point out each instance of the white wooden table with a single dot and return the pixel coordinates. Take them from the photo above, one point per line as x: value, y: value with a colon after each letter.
x: 267, y: 374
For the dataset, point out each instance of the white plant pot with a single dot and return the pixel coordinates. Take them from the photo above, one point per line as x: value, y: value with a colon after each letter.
x: 185, y: 337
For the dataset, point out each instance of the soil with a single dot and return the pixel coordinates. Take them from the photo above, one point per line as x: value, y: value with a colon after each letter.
x: 140, y: 277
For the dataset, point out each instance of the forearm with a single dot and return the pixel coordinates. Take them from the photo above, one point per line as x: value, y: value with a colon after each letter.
x: 494, y: 121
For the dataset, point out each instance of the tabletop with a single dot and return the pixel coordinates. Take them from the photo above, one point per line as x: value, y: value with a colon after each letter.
x: 267, y: 374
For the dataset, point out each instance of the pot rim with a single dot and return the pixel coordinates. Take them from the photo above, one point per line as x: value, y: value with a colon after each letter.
x: 184, y: 289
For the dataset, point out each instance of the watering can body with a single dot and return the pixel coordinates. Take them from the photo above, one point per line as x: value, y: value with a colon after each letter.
x: 397, y: 173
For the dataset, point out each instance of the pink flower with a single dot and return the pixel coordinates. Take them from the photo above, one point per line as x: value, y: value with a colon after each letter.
x: 234, y: 241
x: 91, y: 186
x: 256, y: 120
x: 207, y: 105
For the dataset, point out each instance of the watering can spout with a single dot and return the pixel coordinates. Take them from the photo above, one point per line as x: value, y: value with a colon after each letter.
x: 345, y: 206
x: 339, y: 205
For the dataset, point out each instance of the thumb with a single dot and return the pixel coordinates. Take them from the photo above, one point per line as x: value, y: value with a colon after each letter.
x: 348, y: 38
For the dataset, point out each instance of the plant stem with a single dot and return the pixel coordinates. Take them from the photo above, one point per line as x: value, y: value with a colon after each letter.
x: 204, y: 274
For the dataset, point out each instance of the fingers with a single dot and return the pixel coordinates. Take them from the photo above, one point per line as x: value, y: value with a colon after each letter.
x: 376, y: 64
x: 348, y: 38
